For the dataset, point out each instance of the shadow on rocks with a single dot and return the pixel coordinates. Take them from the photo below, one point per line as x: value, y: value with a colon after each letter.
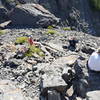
x: 80, y: 83
x: 93, y: 79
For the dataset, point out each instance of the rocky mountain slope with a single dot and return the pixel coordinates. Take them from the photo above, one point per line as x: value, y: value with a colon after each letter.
x: 44, y: 53
x: 72, y: 13
x: 29, y: 74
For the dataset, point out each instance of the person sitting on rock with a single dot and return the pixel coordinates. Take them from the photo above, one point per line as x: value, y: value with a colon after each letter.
x: 94, y: 61
x: 72, y: 42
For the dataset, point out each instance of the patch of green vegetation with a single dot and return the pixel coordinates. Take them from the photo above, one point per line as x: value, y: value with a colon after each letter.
x: 51, y: 31
x: 34, y: 50
x: 50, y: 27
x: 95, y: 4
x: 66, y: 28
x: 2, y: 32
x: 21, y: 40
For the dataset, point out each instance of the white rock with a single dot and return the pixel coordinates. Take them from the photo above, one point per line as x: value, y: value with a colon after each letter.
x: 70, y: 91
x: 94, y: 95
x: 94, y: 62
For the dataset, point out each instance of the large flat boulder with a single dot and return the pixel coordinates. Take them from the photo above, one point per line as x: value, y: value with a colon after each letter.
x: 53, y: 82
x: 32, y: 15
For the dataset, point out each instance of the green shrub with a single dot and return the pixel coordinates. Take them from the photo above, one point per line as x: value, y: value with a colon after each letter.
x: 33, y: 49
x: 95, y: 4
x: 66, y: 28
x: 21, y: 40
x: 2, y: 32
x: 51, y: 31
x: 50, y: 27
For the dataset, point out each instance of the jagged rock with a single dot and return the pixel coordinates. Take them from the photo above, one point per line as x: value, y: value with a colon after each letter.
x: 53, y: 82
x: 13, y: 63
x: 79, y: 69
x: 53, y: 95
x: 59, y: 8
x: 32, y: 15
x: 93, y: 95
x: 68, y: 74
x: 4, y: 24
x: 80, y: 87
x: 87, y: 49
x: 19, y: 55
x: 34, y: 68
x: 8, y: 91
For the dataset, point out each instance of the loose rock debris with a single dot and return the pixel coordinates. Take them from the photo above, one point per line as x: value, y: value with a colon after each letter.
x: 8, y: 91
x: 61, y: 74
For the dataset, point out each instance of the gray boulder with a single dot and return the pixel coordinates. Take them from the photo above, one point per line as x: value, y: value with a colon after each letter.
x: 54, y: 83
x: 32, y: 15
x: 80, y: 87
